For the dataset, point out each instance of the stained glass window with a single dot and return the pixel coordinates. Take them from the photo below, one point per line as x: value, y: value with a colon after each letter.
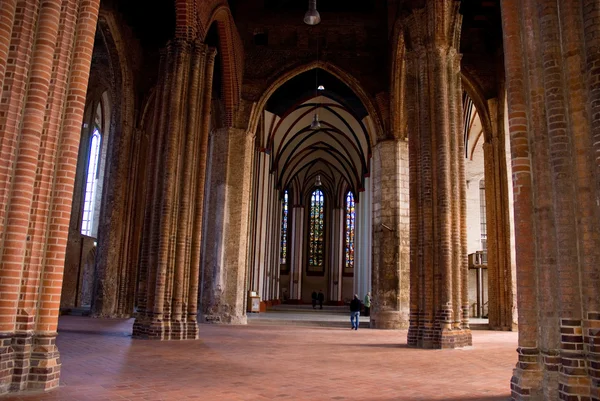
x: 284, y: 229
x: 350, y: 231
x: 316, y: 230
x: 91, y: 183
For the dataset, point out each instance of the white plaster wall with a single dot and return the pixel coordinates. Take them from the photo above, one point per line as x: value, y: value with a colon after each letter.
x: 474, y: 172
x: 363, y: 249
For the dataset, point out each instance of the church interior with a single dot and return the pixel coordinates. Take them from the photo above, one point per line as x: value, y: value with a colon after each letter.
x: 179, y: 179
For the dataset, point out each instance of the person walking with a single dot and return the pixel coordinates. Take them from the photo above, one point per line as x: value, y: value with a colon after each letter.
x: 355, y: 312
x: 314, y: 299
x: 367, y: 304
x: 321, y: 298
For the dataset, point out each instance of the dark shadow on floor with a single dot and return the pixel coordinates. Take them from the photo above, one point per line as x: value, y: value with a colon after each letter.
x: 394, y: 346
x: 96, y: 332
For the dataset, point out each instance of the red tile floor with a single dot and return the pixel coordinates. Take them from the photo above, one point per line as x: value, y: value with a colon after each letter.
x: 101, y: 362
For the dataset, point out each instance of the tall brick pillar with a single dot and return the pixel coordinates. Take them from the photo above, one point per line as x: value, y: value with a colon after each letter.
x: 553, y: 84
x: 45, y: 55
x: 438, y: 298
x: 498, y: 192
x: 391, y: 248
x: 170, y: 260
x: 225, y: 262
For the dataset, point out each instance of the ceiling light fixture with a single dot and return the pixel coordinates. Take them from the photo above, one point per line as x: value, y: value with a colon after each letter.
x: 315, y: 123
x: 312, y: 16
x: 321, y: 87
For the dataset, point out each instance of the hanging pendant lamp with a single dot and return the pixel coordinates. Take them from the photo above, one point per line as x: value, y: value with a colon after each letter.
x: 312, y: 16
x: 316, y: 124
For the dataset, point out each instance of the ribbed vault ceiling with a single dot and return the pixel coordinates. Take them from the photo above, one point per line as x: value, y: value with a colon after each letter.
x: 338, y: 152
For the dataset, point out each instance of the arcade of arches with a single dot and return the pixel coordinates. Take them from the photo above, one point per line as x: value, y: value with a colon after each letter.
x: 163, y: 162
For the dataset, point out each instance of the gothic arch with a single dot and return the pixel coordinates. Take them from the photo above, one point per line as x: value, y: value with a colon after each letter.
x: 115, y: 270
x: 476, y: 94
x: 397, y: 122
x: 231, y: 53
x: 278, y: 79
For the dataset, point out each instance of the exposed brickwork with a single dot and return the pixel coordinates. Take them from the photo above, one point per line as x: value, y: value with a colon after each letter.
x: 555, y: 190
x: 231, y: 49
x: 118, y: 246
x: 501, y: 270
x: 47, y: 66
x: 553, y: 88
x: 170, y: 260
x: 439, y: 299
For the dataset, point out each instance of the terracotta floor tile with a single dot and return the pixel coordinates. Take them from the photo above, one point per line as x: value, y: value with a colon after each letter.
x: 102, y: 362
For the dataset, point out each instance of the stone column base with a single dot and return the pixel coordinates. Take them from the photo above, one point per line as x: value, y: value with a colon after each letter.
x: 165, y: 330
x: 224, y: 318
x: 29, y: 362
x: 426, y: 335
x: 525, y: 385
x: 44, y: 373
x: 455, y: 338
x: 7, y: 363
x: 389, y: 320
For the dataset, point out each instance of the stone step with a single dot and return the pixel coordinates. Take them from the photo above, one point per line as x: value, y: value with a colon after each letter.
x: 304, y: 323
x: 479, y: 326
x: 309, y: 309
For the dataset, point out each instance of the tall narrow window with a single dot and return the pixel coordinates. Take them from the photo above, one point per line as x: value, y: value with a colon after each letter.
x: 350, y: 232
x: 482, y: 216
x: 316, y: 232
x: 284, y: 230
x: 91, y: 183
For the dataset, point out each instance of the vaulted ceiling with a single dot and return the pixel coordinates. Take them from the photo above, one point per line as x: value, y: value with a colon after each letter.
x: 338, y: 152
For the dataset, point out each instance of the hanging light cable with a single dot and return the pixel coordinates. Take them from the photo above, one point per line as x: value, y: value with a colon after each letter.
x: 315, y: 125
x: 312, y: 16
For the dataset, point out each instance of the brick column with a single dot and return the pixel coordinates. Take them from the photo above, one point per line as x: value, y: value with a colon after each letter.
x: 439, y: 302
x: 226, y: 256
x: 498, y: 192
x: 552, y: 85
x: 44, y: 73
x: 171, y: 248
x: 390, y: 279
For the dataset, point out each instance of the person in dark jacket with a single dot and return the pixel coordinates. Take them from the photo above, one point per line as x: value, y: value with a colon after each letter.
x: 321, y: 298
x: 355, y: 312
x: 314, y: 299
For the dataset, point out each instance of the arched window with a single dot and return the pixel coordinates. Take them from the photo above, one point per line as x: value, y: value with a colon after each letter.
x: 482, y: 215
x: 284, y: 230
x: 350, y: 233
x: 92, y: 174
x: 316, y: 232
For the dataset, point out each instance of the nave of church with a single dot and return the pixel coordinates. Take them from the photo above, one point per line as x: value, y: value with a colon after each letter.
x: 184, y: 170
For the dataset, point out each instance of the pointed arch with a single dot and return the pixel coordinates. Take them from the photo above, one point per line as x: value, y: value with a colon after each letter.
x: 279, y: 78
x: 231, y: 53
